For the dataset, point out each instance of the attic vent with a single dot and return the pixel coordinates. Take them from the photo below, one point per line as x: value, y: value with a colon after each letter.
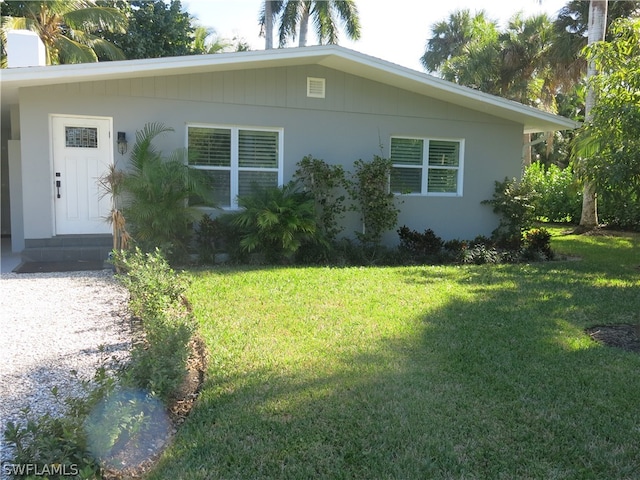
x: 315, y: 87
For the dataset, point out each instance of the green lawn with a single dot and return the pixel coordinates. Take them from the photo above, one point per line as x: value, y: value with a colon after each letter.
x: 420, y: 372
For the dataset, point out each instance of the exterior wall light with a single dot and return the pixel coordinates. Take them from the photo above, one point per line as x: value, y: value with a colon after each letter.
x: 122, y: 143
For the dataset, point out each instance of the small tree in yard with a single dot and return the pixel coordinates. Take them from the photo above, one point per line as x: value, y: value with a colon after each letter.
x: 513, y: 202
x: 323, y: 182
x: 369, y: 188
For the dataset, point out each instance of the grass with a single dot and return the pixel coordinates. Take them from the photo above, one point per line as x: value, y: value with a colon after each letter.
x: 421, y: 372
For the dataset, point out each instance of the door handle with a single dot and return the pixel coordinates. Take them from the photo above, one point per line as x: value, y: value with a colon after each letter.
x: 58, y: 183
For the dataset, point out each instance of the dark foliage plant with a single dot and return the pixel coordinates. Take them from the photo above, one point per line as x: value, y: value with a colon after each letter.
x: 210, y: 234
x: 419, y: 244
x: 276, y: 221
x: 537, y: 244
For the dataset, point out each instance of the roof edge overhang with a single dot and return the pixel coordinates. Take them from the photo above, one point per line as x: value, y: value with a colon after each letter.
x: 331, y: 56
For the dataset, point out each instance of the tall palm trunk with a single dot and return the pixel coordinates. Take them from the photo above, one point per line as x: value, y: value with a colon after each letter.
x: 304, y: 24
x: 268, y: 25
x: 597, y: 30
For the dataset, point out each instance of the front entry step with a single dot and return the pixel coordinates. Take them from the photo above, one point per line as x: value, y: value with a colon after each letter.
x: 63, y: 248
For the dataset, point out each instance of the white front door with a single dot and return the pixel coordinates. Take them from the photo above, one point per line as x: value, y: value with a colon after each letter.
x: 82, y: 153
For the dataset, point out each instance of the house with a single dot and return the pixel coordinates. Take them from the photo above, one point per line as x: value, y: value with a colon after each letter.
x: 251, y: 116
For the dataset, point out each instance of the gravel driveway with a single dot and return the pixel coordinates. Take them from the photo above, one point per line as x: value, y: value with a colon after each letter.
x: 52, y: 323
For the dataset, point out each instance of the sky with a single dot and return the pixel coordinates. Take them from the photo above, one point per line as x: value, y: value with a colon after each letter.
x: 398, y: 34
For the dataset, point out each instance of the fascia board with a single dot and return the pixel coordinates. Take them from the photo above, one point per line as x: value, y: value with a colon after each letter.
x: 339, y: 58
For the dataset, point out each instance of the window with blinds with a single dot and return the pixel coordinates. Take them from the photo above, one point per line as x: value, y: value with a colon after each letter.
x: 426, y: 166
x: 234, y: 160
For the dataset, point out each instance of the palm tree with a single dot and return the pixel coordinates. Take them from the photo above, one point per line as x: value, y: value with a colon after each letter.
x: 571, y: 36
x: 68, y: 28
x: 597, y: 30
x: 325, y: 15
x: 268, y: 13
x: 451, y: 37
x: 157, y: 192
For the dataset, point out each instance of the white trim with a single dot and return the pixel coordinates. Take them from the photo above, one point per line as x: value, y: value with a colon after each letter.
x: 331, y: 56
x: 111, y: 159
x: 425, y: 166
x: 234, y: 167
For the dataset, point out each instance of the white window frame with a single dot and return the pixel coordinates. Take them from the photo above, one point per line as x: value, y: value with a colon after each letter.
x: 424, y: 192
x: 235, y: 168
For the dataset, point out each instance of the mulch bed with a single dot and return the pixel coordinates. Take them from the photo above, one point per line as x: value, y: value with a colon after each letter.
x: 624, y: 336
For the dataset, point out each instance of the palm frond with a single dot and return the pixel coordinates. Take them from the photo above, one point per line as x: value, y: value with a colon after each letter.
x: 106, y: 49
x: 96, y: 18
x: 70, y: 51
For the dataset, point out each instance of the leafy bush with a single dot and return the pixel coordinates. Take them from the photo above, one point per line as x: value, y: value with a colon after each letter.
x: 620, y: 208
x: 369, y: 187
x: 157, y: 297
x: 559, y: 194
x: 122, y: 406
x: 480, y: 254
x: 50, y: 440
x: 419, y: 245
x: 276, y: 221
x: 323, y: 182
x: 537, y: 245
x: 154, y: 287
x: 514, y: 203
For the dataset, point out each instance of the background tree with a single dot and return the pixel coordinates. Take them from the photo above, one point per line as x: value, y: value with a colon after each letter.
x: 570, y: 37
x: 469, y: 50
x: 597, y: 29
x: 156, y: 29
x: 325, y: 15
x: 451, y: 37
x: 609, y: 143
x: 269, y: 11
x: 72, y: 31
x: 207, y: 41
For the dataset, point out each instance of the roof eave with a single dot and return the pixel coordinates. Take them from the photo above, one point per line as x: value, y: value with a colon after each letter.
x: 332, y: 56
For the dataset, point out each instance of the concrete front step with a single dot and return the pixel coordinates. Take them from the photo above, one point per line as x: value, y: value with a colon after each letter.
x: 64, y: 248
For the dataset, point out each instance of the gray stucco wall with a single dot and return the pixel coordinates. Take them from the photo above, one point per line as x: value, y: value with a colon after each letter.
x: 355, y: 120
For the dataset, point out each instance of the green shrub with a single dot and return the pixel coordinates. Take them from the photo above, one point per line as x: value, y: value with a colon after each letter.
x: 369, y: 188
x: 620, y: 208
x: 154, y: 287
x: 97, y: 425
x: 157, y: 297
x: 537, y: 245
x: 480, y: 254
x: 514, y: 203
x: 324, y: 182
x: 276, y: 222
x: 419, y: 245
x: 559, y: 196
x: 50, y: 440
